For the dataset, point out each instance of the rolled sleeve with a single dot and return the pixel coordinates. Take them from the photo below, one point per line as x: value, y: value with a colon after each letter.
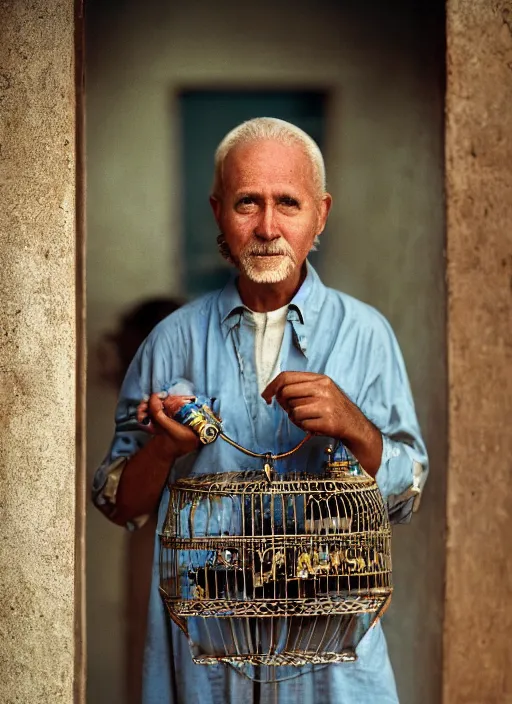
x: 150, y: 371
x: 128, y: 438
x: 388, y: 403
x: 401, y: 478
x: 104, y: 491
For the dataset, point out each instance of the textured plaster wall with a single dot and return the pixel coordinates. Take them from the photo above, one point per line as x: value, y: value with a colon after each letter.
x: 37, y: 351
x: 478, y: 626
x: 383, y: 63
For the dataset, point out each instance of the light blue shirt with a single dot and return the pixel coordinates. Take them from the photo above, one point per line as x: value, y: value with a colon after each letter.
x: 209, y: 345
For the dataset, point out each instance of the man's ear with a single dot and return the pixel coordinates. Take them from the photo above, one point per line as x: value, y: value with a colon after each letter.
x: 216, y: 207
x: 323, y: 212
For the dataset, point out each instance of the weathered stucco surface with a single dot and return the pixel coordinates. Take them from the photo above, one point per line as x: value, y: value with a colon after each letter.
x: 478, y: 617
x: 37, y: 351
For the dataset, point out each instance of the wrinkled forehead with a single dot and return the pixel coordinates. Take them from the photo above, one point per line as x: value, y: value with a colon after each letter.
x: 262, y: 163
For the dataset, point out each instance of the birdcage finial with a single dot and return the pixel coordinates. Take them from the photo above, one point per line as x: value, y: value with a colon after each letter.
x: 268, y: 467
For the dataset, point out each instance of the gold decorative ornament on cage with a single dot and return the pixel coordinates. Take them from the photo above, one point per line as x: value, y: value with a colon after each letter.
x: 274, y: 570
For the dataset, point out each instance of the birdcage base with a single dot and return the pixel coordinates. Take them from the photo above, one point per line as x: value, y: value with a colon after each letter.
x: 296, y: 659
x: 366, y: 602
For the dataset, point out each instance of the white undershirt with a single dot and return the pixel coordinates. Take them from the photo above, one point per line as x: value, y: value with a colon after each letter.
x: 268, y: 338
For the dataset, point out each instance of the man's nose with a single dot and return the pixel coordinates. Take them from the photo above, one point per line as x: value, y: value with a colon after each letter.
x: 266, y: 228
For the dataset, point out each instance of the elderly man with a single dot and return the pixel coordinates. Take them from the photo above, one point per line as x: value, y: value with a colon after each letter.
x: 283, y: 354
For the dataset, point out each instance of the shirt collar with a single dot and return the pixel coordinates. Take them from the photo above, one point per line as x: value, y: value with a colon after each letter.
x: 303, y: 308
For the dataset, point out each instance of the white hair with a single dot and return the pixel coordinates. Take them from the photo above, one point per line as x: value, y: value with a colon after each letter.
x: 268, y: 128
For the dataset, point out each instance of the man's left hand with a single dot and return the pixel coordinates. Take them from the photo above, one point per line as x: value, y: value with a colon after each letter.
x: 317, y: 405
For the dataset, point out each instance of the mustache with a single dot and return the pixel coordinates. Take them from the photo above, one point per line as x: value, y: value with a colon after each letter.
x: 274, y: 247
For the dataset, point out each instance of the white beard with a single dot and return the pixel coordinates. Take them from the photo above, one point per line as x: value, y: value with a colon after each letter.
x: 267, y: 271
x: 261, y: 271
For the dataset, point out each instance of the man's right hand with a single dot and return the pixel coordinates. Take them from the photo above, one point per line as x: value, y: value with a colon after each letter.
x: 157, y: 410
x: 146, y: 472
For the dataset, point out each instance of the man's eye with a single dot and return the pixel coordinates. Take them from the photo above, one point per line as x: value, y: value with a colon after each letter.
x: 246, y: 200
x: 289, y: 202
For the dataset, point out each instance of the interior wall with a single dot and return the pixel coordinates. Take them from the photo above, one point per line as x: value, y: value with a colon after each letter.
x: 383, y: 67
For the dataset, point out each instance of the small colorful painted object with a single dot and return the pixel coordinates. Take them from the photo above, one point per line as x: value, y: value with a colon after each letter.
x: 197, y: 415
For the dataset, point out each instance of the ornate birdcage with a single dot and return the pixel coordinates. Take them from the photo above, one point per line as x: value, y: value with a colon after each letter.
x: 276, y: 570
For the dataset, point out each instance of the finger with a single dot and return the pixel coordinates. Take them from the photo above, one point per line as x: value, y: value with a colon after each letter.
x: 155, y: 404
x: 158, y: 401
x: 296, y: 402
x: 148, y: 426
x: 301, y: 394
x: 144, y: 419
x: 144, y: 415
x: 283, y: 379
x: 142, y: 409
x: 176, y: 430
x: 289, y: 404
x: 172, y: 404
x: 306, y: 412
x: 301, y: 389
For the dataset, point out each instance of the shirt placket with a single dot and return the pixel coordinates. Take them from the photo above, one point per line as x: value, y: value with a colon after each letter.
x: 292, y: 358
x: 243, y: 339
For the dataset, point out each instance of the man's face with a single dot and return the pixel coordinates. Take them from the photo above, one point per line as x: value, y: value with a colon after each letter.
x: 270, y: 210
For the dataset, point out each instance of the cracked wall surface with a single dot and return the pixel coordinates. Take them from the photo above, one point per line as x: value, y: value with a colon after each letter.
x: 478, y: 619
x: 37, y: 351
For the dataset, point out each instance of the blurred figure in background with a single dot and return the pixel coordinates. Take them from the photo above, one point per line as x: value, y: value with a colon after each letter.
x: 118, y: 348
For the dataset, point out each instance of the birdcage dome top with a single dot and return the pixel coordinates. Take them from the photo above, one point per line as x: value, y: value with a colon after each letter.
x: 235, y: 482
